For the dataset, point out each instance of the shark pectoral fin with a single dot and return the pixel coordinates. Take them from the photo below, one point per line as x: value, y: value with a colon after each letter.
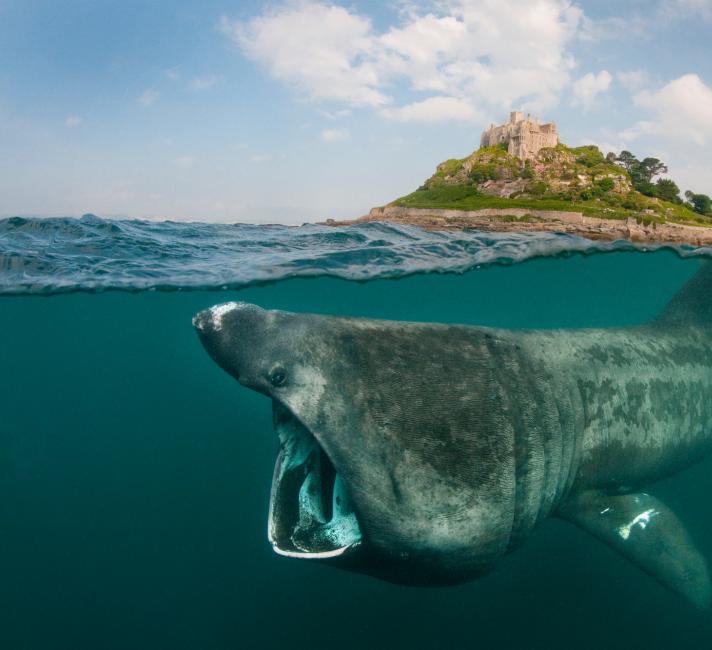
x: 649, y: 534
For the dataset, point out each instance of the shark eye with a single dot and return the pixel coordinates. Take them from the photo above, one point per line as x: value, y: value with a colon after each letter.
x: 278, y: 377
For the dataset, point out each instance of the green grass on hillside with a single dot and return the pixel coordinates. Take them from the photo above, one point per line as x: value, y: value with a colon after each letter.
x: 467, y: 197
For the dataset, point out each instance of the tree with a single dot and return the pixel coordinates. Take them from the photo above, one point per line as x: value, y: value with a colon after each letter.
x: 627, y: 160
x: 700, y: 203
x: 667, y: 190
x: 649, y: 168
x: 642, y: 172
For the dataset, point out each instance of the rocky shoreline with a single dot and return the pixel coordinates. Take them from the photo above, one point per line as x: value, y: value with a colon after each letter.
x: 524, y: 220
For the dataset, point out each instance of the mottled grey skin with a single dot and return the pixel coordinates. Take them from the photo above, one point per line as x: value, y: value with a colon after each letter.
x: 454, y: 442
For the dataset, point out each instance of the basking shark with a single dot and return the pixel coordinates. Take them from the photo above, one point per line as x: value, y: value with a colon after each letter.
x: 421, y: 453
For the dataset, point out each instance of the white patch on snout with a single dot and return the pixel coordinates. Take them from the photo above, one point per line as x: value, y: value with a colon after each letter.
x: 217, y: 313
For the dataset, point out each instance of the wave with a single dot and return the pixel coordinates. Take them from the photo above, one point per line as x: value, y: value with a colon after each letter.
x: 56, y: 255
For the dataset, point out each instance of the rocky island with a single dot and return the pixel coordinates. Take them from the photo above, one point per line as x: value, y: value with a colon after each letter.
x: 522, y: 178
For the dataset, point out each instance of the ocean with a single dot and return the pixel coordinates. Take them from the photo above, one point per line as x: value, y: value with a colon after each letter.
x: 135, y: 473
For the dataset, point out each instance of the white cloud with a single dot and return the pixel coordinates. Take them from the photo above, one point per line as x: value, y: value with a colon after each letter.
x: 148, y: 97
x: 681, y: 108
x: 73, y: 121
x: 618, y: 141
x: 203, y: 83
x: 487, y: 54
x: 676, y: 127
x: 589, y: 87
x: 317, y: 48
x: 639, y: 129
x: 261, y: 158
x: 335, y: 135
x: 436, y: 109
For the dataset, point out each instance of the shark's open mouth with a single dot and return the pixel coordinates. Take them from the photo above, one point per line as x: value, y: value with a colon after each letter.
x: 310, y: 514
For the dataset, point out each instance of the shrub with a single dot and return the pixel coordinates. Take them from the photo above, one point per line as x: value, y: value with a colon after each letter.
x: 484, y: 172
x: 605, y: 184
x: 440, y: 194
x: 646, y: 187
x: 537, y: 189
x: 614, y: 200
x: 588, y: 156
x: 634, y: 201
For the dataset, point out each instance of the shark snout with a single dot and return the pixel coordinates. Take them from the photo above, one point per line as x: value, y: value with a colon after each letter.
x: 211, y: 320
x: 228, y: 332
x: 218, y: 339
x: 202, y: 321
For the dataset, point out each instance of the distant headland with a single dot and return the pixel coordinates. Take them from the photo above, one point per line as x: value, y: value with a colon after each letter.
x: 522, y: 178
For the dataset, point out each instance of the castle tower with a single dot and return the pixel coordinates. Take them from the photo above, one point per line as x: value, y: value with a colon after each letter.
x: 524, y: 138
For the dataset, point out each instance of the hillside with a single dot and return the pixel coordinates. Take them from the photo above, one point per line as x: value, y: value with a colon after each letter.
x: 558, y: 179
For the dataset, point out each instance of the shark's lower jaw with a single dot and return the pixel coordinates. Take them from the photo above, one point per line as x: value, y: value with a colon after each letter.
x: 310, y: 514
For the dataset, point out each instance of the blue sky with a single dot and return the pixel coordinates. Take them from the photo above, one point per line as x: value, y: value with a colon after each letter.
x: 303, y: 110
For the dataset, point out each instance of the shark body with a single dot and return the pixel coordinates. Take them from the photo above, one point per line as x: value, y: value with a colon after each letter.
x: 421, y: 453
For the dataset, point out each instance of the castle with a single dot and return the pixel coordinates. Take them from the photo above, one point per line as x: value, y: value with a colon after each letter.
x: 525, y: 137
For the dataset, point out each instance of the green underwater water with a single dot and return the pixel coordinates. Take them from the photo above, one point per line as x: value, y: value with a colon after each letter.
x: 135, y: 475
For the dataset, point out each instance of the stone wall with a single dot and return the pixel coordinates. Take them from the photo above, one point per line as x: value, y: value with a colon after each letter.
x: 524, y: 220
